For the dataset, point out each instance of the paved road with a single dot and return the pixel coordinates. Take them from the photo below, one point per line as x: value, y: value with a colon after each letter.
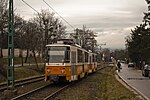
x: 135, y: 79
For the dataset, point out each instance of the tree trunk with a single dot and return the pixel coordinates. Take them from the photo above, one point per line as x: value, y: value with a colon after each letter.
x: 1, y: 43
x: 26, y: 56
x: 35, y: 59
x: 22, y: 61
x: 21, y: 56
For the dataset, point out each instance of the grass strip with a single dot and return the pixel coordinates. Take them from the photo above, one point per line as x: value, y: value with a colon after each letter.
x: 111, y: 89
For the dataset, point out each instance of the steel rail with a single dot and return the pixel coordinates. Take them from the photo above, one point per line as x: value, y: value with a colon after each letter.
x: 53, y: 94
x: 3, y: 86
x: 58, y: 91
x: 28, y: 93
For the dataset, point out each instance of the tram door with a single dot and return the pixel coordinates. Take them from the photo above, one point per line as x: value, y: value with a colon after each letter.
x: 73, y: 65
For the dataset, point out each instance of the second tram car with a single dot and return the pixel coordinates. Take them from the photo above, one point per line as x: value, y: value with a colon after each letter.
x: 66, y: 62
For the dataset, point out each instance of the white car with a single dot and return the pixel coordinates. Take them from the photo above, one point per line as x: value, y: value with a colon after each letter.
x: 131, y: 64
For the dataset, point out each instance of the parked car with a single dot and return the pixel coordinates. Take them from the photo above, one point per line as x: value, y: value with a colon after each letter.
x: 146, y: 71
x: 131, y: 64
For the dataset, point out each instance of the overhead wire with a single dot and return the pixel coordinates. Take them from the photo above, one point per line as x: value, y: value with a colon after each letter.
x: 37, y: 12
x: 52, y: 9
x: 58, y: 14
x: 30, y: 6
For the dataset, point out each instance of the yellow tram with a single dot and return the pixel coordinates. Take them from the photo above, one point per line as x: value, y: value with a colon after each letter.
x: 68, y: 62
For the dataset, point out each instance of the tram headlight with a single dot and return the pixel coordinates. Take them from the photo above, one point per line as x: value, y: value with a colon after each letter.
x: 48, y: 70
x: 63, y: 71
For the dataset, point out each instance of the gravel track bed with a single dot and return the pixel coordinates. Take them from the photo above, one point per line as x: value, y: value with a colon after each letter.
x: 85, y: 89
x: 41, y: 94
x: 26, y: 88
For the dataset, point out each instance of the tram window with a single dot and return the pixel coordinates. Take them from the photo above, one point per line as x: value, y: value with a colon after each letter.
x: 86, y: 57
x: 73, y: 58
x: 67, y: 55
x: 46, y: 55
x: 96, y: 58
x: 58, y: 54
x: 93, y: 57
x: 80, y: 56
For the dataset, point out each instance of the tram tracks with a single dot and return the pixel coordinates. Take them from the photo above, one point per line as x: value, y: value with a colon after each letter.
x: 47, y: 92
x: 43, y: 93
x: 58, y: 91
x: 50, y: 97
x: 18, y: 83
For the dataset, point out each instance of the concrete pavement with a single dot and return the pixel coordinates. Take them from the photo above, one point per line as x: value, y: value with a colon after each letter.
x: 135, y: 80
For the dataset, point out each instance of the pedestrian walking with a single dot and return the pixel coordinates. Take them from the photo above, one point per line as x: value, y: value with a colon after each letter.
x: 118, y: 65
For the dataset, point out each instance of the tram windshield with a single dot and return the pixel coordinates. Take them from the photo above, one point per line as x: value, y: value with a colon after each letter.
x: 58, y: 54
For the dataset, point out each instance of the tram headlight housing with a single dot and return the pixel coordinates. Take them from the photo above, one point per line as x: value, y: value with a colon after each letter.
x: 63, y: 71
x: 48, y: 70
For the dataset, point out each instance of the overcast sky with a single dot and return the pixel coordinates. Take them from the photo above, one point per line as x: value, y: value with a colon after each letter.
x: 111, y: 19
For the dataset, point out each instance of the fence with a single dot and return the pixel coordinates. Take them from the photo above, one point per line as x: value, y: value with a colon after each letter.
x: 18, y: 52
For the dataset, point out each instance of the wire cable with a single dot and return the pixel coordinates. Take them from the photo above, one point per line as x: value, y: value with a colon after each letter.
x: 58, y: 14
x: 52, y: 9
x: 30, y: 6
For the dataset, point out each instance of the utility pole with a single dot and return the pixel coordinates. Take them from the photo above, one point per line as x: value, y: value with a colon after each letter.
x: 10, y: 67
x: 100, y: 45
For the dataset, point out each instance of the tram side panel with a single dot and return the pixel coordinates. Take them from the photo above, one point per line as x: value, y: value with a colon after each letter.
x: 94, y: 68
x: 92, y: 62
x: 77, y: 65
x: 86, y: 63
x: 73, y: 63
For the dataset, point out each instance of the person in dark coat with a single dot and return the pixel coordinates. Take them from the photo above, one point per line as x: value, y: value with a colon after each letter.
x: 118, y: 65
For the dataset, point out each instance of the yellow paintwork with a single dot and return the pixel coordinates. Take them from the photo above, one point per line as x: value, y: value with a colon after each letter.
x: 56, y: 70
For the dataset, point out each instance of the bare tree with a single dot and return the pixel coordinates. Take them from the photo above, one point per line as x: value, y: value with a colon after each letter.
x: 85, y: 38
x: 50, y: 26
x: 3, y: 25
x: 32, y: 38
x: 19, y: 35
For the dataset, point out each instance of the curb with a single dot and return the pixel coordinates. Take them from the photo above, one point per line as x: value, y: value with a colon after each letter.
x: 133, y: 88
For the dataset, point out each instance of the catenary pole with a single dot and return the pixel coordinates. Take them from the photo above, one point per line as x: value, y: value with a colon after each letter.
x: 10, y: 67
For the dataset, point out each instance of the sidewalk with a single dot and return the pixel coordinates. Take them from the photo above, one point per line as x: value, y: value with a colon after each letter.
x: 135, y: 80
